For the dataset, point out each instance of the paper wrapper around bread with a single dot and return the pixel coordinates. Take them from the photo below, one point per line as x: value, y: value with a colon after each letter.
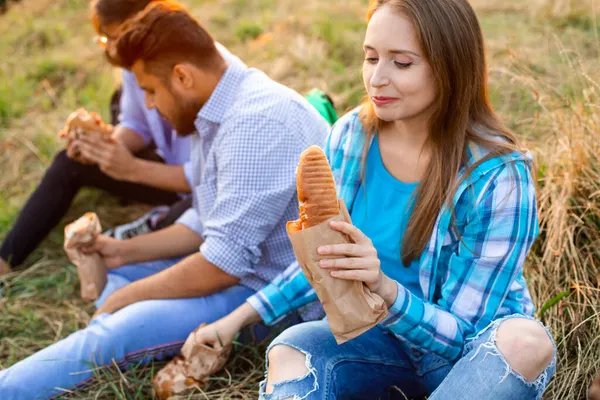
x: 182, y: 375
x: 90, y: 267
x: 350, y: 306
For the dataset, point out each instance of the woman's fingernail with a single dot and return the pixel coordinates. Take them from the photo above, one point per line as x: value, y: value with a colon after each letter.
x: 322, y: 250
x: 325, y: 263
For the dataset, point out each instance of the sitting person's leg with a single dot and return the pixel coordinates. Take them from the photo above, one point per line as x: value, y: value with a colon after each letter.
x: 52, y: 198
x: 134, y: 334
x: 514, y: 358
x: 306, y: 362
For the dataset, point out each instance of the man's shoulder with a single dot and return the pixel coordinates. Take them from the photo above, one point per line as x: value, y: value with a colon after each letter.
x: 269, y: 112
x: 261, y: 96
x: 228, y: 55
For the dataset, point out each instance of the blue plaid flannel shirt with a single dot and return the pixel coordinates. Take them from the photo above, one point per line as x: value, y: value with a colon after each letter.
x: 467, y: 282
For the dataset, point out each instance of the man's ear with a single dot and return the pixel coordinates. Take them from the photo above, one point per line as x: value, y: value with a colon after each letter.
x: 183, y: 76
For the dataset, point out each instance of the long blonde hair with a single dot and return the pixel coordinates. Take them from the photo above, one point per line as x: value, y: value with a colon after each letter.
x: 452, y: 42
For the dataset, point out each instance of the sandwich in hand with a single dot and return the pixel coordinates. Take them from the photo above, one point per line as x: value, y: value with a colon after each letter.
x: 350, y: 306
x: 81, y: 122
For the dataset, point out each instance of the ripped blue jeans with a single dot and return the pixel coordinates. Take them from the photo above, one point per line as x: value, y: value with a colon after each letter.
x: 377, y: 365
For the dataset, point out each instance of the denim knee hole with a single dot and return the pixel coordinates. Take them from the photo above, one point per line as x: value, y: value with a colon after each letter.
x: 285, y: 389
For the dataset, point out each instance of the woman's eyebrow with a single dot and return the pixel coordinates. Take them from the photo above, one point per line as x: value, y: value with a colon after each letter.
x: 393, y: 51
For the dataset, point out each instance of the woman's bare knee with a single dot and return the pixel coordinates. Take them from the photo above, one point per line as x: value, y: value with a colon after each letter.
x: 526, y: 347
x: 285, y: 363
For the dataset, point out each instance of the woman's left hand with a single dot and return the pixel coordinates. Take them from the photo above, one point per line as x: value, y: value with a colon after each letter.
x: 357, y: 261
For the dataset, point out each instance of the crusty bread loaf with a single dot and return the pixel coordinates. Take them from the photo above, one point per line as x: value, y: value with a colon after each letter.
x: 316, y: 190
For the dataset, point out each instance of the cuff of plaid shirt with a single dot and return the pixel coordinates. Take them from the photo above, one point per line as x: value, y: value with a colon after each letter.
x: 399, y: 318
x: 264, y: 307
x: 191, y: 219
x: 229, y: 256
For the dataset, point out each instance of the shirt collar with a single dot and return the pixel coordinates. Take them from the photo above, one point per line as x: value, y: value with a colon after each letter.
x: 222, y: 97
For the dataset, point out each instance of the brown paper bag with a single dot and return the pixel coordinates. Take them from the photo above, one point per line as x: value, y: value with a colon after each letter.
x: 172, y: 380
x: 350, y: 306
x: 90, y: 267
x: 181, y: 374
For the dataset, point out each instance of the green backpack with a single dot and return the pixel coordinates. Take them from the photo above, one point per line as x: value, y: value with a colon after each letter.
x: 323, y: 104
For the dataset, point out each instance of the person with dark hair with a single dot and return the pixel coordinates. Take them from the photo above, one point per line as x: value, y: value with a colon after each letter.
x: 246, y: 135
x: 143, y: 163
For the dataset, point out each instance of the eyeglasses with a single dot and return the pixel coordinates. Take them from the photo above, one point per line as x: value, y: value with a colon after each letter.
x: 101, y: 41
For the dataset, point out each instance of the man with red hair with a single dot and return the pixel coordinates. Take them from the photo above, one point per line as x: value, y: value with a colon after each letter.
x: 246, y: 134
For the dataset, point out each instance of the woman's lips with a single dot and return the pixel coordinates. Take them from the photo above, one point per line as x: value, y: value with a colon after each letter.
x: 383, y: 101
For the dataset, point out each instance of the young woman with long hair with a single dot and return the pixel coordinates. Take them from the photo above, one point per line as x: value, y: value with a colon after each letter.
x: 442, y: 199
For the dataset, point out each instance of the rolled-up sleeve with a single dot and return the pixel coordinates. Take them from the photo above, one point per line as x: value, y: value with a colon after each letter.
x: 187, y: 171
x: 132, y: 105
x: 191, y: 220
x: 255, y: 184
x: 233, y: 257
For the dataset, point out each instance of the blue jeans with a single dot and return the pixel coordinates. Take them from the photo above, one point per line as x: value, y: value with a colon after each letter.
x: 138, y: 333
x: 376, y: 365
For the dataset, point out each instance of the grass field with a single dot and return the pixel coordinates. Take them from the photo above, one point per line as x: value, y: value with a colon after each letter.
x: 545, y: 82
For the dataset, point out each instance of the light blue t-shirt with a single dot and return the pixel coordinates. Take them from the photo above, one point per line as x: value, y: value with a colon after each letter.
x: 382, y: 212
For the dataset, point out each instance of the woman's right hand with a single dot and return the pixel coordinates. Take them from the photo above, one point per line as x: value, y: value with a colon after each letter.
x: 221, y: 333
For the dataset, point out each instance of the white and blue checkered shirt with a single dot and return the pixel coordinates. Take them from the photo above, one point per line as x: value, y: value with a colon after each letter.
x: 242, y: 172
